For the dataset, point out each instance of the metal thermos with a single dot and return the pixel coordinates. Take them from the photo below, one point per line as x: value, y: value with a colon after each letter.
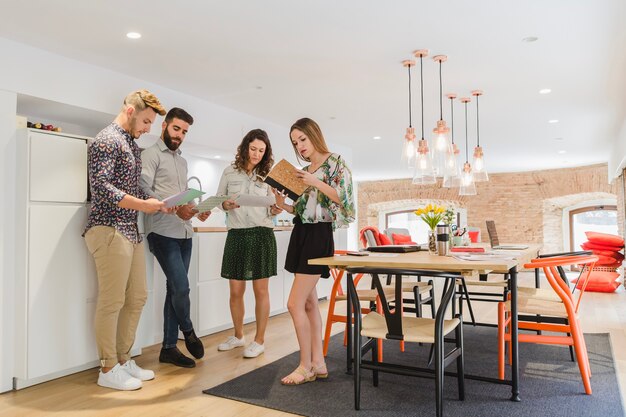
x: 443, y: 239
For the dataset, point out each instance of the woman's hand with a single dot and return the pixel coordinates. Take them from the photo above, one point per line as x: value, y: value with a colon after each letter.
x: 280, y: 198
x: 308, y: 178
x: 274, y: 209
x: 229, y: 205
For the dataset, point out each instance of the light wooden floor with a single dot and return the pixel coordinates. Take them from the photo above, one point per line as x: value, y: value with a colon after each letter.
x: 178, y: 391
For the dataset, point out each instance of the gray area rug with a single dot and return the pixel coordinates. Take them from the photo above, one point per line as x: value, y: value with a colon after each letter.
x: 550, y: 383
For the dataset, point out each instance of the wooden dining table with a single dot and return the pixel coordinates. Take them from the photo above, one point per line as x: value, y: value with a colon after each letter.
x: 424, y: 261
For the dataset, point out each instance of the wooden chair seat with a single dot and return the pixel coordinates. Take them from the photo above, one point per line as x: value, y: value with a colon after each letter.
x: 529, y: 305
x: 546, y: 294
x: 368, y: 295
x: 423, y: 287
x: 414, y: 329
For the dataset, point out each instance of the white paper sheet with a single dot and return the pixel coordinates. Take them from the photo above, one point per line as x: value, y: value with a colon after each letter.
x: 181, y: 198
x: 210, y: 203
x: 255, y: 200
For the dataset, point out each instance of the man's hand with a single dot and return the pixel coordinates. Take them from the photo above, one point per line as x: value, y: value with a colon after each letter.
x: 152, y: 205
x: 186, y: 212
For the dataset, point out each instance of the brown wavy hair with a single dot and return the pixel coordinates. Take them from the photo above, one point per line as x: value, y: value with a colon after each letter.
x: 242, y: 158
x: 313, y: 132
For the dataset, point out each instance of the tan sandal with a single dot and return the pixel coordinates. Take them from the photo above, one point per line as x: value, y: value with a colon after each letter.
x: 318, y: 374
x: 307, y: 376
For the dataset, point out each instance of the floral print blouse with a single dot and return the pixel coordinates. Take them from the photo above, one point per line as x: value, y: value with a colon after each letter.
x: 313, y: 206
x: 114, y: 165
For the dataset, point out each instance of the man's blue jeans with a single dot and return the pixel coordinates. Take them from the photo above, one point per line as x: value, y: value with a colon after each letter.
x: 174, y: 256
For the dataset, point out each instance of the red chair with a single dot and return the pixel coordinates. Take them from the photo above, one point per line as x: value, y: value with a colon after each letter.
x: 337, y: 294
x: 561, y: 306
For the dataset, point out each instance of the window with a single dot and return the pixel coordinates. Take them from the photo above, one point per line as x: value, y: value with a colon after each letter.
x: 601, y: 219
x: 407, y: 219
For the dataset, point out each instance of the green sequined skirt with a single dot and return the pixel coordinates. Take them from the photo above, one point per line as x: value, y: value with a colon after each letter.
x: 249, y: 254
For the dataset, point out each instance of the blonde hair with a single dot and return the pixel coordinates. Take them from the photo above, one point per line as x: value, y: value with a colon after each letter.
x: 141, y: 99
x: 313, y: 132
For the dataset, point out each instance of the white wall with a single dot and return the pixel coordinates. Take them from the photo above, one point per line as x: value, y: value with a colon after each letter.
x: 7, y: 235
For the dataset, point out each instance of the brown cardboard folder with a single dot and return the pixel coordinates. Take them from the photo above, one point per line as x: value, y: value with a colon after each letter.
x: 283, y: 178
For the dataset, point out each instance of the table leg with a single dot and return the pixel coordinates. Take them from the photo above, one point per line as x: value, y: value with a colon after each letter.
x: 514, y: 337
x: 349, y: 325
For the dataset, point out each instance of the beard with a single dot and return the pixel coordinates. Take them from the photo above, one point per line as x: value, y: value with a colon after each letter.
x: 133, y: 131
x: 169, y: 142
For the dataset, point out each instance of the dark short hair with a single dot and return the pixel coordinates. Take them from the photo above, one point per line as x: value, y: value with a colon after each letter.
x: 178, y: 113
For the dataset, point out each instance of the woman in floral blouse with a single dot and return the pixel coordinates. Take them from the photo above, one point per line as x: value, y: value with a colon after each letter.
x: 326, y: 205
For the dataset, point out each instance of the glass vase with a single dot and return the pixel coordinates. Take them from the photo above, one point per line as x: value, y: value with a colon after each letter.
x: 432, y: 242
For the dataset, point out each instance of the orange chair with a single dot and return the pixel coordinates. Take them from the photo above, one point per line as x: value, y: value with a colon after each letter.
x: 337, y: 294
x: 561, y: 306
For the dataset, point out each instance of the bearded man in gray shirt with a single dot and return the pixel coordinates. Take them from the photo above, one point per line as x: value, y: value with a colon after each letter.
x: 164, y: 173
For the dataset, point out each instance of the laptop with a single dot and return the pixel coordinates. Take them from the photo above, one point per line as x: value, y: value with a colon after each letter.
x: 495, y: 242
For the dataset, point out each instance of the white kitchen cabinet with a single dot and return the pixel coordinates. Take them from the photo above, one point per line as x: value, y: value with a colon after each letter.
x: 56, y: 284
x: 58, y: 168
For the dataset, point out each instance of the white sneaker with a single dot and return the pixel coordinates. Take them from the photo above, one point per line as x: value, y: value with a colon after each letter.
x: 231, y: 343
x: 118, y: 378
x: 135, y: 371
x: 253, y: 350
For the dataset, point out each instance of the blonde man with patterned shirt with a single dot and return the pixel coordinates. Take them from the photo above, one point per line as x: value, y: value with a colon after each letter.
x: 112, y: 237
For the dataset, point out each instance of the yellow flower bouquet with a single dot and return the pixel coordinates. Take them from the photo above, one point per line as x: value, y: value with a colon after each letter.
x: 432, y: 214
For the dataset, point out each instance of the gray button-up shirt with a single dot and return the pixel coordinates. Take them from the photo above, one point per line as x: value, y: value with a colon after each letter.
x: 235, y: 182
x: 163, y: 174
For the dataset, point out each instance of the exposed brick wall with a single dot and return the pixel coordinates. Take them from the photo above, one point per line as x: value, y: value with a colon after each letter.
x: 522, y: 204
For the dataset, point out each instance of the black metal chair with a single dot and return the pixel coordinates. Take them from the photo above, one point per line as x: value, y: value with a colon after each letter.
x: 393, y: 325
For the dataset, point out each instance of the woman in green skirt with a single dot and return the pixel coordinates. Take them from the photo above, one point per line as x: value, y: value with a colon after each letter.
x: 250, y: 249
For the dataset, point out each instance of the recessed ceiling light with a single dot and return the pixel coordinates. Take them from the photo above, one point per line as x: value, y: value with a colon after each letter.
x: 133, y: 35
x: 559, y: 139
x: 217, y: 157
x: 553, y: 121
x: 545, y: 91
x: 562, y: 152
x: 530, y: 39
x: 332, y: 117
x: 259, y: 87
x: 377, y: 138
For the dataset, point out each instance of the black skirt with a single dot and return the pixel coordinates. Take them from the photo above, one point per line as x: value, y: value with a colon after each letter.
x: 309, y: 241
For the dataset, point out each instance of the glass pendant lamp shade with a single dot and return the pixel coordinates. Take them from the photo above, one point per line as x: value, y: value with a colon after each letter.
x: 408, y: 151
x: 441, y: 143
x: 408, y: 147
x: 467, y: 185
x: 480, y: 173
x: 452, y: 176
x: 424, y: 172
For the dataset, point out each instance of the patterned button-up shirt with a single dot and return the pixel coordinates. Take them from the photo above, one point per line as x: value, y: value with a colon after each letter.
x: 114, y: 164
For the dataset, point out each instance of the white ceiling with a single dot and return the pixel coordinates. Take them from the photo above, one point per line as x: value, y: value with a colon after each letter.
x: 339, y: 62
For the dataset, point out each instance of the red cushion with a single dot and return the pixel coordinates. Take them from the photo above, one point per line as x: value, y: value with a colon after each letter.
x: 605, y: 260
x: 402, y: 239
x: 384, y: 239
x: 601, y: 282
x: 592, y: 246
x: 605, y: 239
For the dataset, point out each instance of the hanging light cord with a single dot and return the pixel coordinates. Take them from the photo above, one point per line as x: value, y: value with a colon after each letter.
x: 452, y: 120
x: 466, y: 145
x: 477, y: 129
x: 440, y: 94
x: 422, y: 91
x: 410, y: 111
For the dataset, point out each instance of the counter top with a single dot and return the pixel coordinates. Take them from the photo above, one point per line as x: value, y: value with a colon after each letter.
x: 223, y: 229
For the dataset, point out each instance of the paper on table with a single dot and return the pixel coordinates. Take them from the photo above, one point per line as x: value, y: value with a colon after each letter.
x: 255, y: 200
x: 183, y: 197
x: 482, y: 257
x: 210, y: 203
